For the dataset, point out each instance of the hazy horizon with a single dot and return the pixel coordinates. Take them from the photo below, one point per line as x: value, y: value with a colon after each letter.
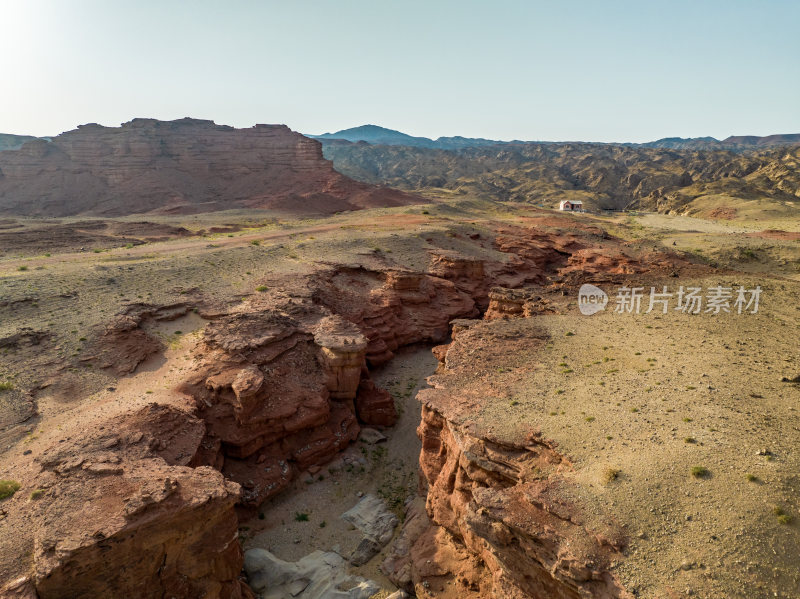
x: 577, y: 71
x: 620, y: 141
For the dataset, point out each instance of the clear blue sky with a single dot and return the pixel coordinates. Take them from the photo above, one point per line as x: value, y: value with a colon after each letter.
x: 602, y: 70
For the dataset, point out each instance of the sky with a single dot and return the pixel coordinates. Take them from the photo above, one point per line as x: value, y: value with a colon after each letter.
x: 592, y: 70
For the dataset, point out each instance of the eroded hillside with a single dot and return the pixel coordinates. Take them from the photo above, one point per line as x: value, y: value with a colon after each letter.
x: 603, y: 176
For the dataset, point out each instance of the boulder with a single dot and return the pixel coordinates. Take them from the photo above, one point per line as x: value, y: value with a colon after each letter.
x: 372, y: 518
x: 319, y: 575
x: 371, y: 436
x: 375, y: 406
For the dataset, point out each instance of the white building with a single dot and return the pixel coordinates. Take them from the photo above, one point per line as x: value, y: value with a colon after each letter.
x: 571, y: 206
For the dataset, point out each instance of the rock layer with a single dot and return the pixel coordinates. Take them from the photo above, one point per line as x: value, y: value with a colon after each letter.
x: 181, y: 166
x: 500, y: 522
x: 280, y: 383
x: 121, y: 514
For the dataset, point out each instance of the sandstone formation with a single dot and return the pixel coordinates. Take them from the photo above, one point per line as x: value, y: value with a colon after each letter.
x: 181, y: 166
x: 506, y: 303
x: 499, y: 523
x: 122, y: 513
x: 280, y: 383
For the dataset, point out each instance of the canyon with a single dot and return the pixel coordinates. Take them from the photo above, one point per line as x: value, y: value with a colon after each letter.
x: 171, y: 398
x: 278, y: 384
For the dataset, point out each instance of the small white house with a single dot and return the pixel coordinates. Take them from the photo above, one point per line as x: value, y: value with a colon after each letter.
x: 571, y: 206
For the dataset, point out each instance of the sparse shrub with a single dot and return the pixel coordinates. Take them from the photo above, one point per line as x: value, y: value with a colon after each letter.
x: 21, y: 268
x: 782, y: 516
x: 569, y: 334
x: 515, y: 403
x: 690, y: 440
x: 301, y: 517
x: 37, y: 494
x: 261, y: 288
x: 559, y: 391
x: 255, y: 242
x: 634, y: 410
x: 699, y: 471
x: 752, y: 478
x: 6, y: 386
x: 589, y: 419
x: 8, y: 488
x: 323, y: 524
x: 425, y: 212
x: 610, y: 474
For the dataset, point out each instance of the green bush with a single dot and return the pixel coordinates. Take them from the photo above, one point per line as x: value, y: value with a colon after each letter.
x: 8, y: 488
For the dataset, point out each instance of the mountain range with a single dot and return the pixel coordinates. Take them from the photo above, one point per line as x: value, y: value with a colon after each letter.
x: 603, y: 176
x: 190, y: 166
x: 376, y: 135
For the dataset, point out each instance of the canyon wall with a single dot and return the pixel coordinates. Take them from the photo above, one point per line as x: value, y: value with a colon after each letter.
x: 280, y: 383
x: 181, y: 166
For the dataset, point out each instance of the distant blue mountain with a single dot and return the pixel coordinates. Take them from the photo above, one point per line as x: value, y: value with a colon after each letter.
x: 13, y: 142
x: 373, y: 134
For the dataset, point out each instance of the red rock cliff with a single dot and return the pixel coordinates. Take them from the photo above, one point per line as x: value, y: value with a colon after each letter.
x: 187, y: 165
